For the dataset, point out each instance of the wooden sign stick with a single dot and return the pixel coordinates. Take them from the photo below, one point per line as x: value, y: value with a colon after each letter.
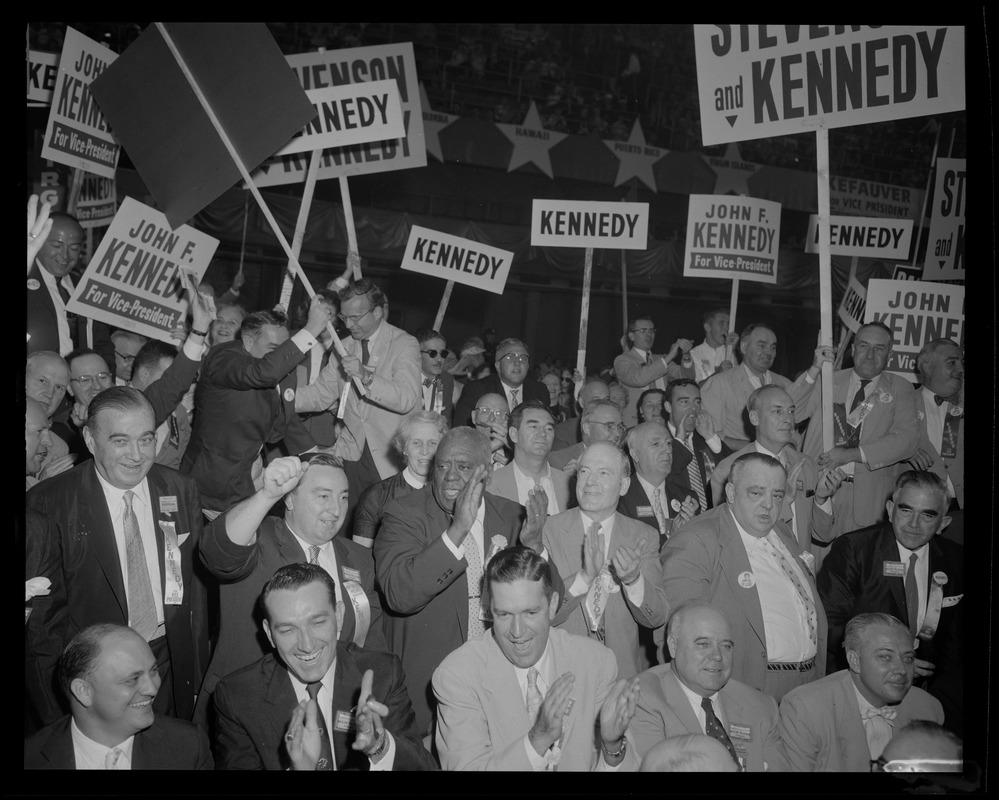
x: 443, y: 306
x: 825, y: 282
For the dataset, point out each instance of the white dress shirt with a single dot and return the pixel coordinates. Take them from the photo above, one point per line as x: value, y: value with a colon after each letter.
x: 326, y: 560
x: 935, y: 417
x: 525, y: 483
x: 579, y: 586
x: 695, y: 705
x: 93, y: 755
x: 707, y: 359
x: 922, y: 575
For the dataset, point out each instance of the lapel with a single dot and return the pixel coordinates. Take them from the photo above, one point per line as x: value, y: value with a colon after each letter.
x: 887, y: 550
x: 95, y: 518
x: 618, y: 536
x: 290, y: 550
x: 677, y: 700
x: 346, y: 683
x: 279, y: 699
x: 157, y: 487
x: 848, y: 725
x: 58, y: 750
x: 504, y: 687
x: 438, y: 520
x: 558, y: 666
x: 733, y: 561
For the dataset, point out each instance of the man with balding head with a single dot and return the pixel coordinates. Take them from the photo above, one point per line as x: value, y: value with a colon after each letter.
x: 491, y: 417
x: 600, y: 422
x: 46, y: 379
x: 37, y: 440
x: 50, y: 286
x: 691, y: 752
x: 511, y: 379
x: 695, y: 694
x: 608, y: 561
x: 567, y: 433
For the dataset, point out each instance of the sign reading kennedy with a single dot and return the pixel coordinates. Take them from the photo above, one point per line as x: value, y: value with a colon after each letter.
x: 758, y: 81
x: 732, y: 237
x: 454, y: 258
x: 134, y: 280
x: 573, y: 223
x: 862, y: 236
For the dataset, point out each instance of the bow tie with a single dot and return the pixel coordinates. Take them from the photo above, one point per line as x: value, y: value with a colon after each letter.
x: 941, y: 400
x: 435, y: 381
x: 887, y: 712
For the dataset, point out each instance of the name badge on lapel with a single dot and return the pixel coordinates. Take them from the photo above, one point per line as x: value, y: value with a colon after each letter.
x: 743, y: 732
x: 644, y: 511
x: 893, y: 569
x: 344, y: 721
x: 350, y: 574
x: 168, y: 504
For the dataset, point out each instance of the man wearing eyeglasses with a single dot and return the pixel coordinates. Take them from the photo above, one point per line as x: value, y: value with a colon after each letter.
x: 126, y: 347
x: 513, y: 365
x: 638, y: 369
x: 50, y: 286
x: 491, y: 416
x: 88, y: 374
x: 601, y: 422
x: 437, y: 382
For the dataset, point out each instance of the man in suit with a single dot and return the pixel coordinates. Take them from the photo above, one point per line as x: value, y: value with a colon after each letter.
x: 430, y: 554
x: 608, y: 561
x: 905, y: 568
x: 491, y: 417
x: 874, y: 413
x: 843, y: 722
x: 316, y: 702
x: 725, y: 394
x: 940, y: 411
x: 245, y: 399
x: 600, y: 422
x: 638, y: 369
x: 37, y: 440
x: 531, y: 429
x: 128, y: 530
x: 743, y: 560
x: 655, y: 496
x: 437, y: 382
x: 244, y: 546
x: 568, y: 433
x: 46, y: 379
x: 110, y: 676
x: 806, y: 499
x: 321, y: 425
x: 527, y: 696
x: 126, y: 347
x: 510, y: 380
x: 50, y: 286
x: 385, y: 361
x: 714, y: 354
x: 694, y: 693
x: 89, y: 374
x: 173, y: 434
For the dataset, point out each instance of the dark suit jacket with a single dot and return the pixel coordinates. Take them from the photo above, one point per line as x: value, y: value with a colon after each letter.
x: 253, y: 707
x: 425, y: 588
x: 243, y: 571
x: 94, y: 586
x: 706, y: 462
x: 447, y: 393
x: 491, y: 384
x: 166, y: 744
x: 635, y: 503
x: 42, y: 320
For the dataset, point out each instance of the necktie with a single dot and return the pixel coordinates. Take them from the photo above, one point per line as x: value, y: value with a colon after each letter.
x: 941, y: 400
x: 912, y: 594
x: 112, y: 758
x: 788, y: 569
x: 878, y: 724
x: 141, y: 605
x: 858, y: 398
x: 428, y: 381
x: 364, y: 352
x: 648, y: 359
x: 714, y: 729
x: 659, y: 511
x: 534, y: 697
x: 473, y: 573
x: 514, y: 398
x: 325, y: 761
x: 596, y: 596
x: 694, y: 474
x: 313, y: 553
x: 64, y: 294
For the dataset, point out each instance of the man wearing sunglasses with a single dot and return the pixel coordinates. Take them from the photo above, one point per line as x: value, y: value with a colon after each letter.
x: 436, y: 382
x: 513, y: 365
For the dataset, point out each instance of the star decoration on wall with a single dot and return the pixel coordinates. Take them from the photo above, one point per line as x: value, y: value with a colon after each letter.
x: 531, y: 142
x: 733, y: 173
x: 433, y: 123
x: 636, y: 158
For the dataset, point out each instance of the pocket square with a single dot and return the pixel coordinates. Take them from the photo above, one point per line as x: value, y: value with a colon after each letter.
x: 953, y: 600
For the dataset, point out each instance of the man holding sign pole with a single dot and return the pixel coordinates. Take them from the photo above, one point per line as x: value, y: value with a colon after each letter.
x: 638, y: 369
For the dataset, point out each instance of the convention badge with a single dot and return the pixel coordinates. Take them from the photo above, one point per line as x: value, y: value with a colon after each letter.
x: 173, y: 592
x: 343, y: 400
x: 956, y: 411
x: 953, y: 600
x: 33, y: 284
x: 940, y: 578
x: 933, y: 605
x: 799, y: 485
x: 362, y: 610
x: 343, y: 722
x: 740, y: 732
x: 747, y: 580
x: 675, y: 505
x: 289, y: 395
x: 948, y: 441
x: 168, y: 504
x: 498, y: 543
x: 351, y: 574
x: 644, y: 511
x: 885, y: 397
x: 893, y: 569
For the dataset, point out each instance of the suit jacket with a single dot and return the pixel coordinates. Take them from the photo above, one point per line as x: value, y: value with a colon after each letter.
x: 371, y: 505
x: 724, y: 396
x: 664, y: 711
x: 243, y: 571
x: 447, y: 395
x: 632, y: 373
x: 813, y: 522
x: 254, y: 704
x: 567, y: 433
x: 374, y: 418
x: 706, y: 458
x: 563, y: 537
x: 482, y: 714
x: 503, y: 483
x: 43, y: 326
x: 944, y: 467
x: 491, y: 384
x: 636, y: 504
x: 321, y: 425
x: 889, y: 435
x: 95, y: 590
x: 821, y: 728
x: 424, y: 588
x: 166, y: 744
x: 243, y: 402
x: 703, y: 561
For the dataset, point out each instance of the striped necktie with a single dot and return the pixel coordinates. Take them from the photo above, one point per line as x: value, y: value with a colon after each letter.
x: 694, y: 475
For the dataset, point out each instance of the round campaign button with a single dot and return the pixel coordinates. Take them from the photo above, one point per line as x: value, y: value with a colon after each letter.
x: 940, y: 578
x: 675, y: 505
x: 33, y: 284
x: 289, y: 394
x: 746, y: 580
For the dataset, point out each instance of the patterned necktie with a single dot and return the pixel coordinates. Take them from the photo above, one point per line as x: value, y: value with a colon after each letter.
x: 141, y: 605
x: 912, y: 594
x: 659, y: 511
x: 113, y: 758
x: 858, y: 398
x: 596, y: 595
x: 648, y: 359
x: 427, y: 382
x: 313, y: 553
x: 694, y: 474
x: 534, y: 696
x: 878, y: 724
x: 788, y: 569
x: 514, y: 398
x: 364, y: 352
x: 325, y: 761
x: 714, y: 729
x: 473, y: 573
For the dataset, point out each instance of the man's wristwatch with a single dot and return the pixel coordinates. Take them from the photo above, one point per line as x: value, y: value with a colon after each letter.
x: 382, y: 746
x: 620, y: 752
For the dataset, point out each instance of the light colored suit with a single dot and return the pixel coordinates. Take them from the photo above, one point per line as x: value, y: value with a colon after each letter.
x: 949, y: 467
x: 375, y: 417
x: 563, y: 538
x: 821, y: 728
x: 482, y: 714
x: 503, y: 483
x: 725, y: 394
x: 664, y: 711
x: 889, y: 435
x: 636, y: 376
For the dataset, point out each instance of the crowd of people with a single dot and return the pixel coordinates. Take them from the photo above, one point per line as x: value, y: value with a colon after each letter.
x: 269, y: 548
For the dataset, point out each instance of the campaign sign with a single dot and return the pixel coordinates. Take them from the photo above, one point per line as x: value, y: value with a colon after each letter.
x: 906, y: 272
x: 862, y: 236
x: 945, y: 245
x: 134, y: 280
x: 573, y: 223
x: 351, y: 114
x: 758, y: 81
x: 42, y: 70
x: 352, y: 66
x: 851, y: 309
x: 98, y: 201
x: 916, y: 312
x: 868, y: 198
x: 732, y: 237
x: 77, y: 134
x: 457, y: 259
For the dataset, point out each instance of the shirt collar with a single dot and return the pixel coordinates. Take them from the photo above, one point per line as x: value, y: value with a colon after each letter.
x: 96, y: 752
x: 116, y: 496
x: 694, y: 697
x: 905, y: 553
x: 323, y: 548
x: 641, y: 352
x: 649, y: 488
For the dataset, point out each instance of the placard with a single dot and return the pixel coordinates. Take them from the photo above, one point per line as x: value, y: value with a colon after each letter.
x: 945, y: 243
x: 853, y: 196
x: 573, y: 223
x: 98, y: 201
x: 851, y: 308
x: 862, y: 236
x: 43, y: 68
x: 457, y: 259
x: 732, y: 237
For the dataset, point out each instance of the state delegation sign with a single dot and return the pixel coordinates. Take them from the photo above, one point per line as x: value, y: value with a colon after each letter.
x: 862, y: 236
x: 945, y: 245
x: 573, y: 223
x: 457, y: 259
x: 732, y: 237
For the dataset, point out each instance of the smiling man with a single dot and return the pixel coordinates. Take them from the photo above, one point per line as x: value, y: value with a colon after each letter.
x: 37, y: 439
x: 843, y: 722
x: 50, y: 286
x: 316, y: 702
x: 110, y: 676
